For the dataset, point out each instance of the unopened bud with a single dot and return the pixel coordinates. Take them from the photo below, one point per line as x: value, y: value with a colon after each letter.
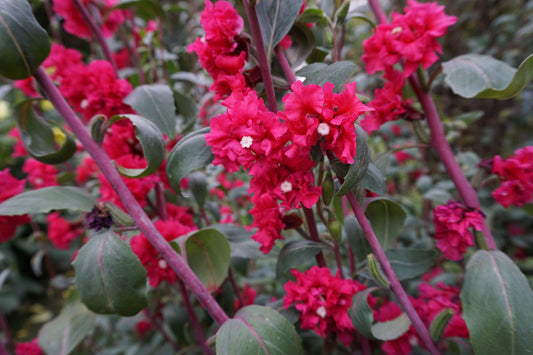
x: 335, y: 228
x: 440, y: 322
x: 328, y: 188
x: 375, y: 271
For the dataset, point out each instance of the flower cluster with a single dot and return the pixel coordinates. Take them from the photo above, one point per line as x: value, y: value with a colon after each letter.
x: 410, y: 39
x: 516, y: 177
x: 323, y: 301
x: 179, y: 223
x: 10, y: 187
x: 29, y: 348
x: 76, y: 24
x: 220, y: 51
x: 452, y: 222
x: 62, y: 232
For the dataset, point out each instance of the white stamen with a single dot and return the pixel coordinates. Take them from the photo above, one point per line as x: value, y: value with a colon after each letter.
x: 84, y: 103
x: 321, y: 312
x: 246, y: 141
x: 286, y: 186
x: 397, y: 30
x: 163, y: 264
x: 323, y: 129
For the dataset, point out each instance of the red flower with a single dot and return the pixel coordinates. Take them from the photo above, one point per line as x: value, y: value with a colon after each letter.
x: 399, y: 346
x: 142, y: 327
x: 39, y: 174
x: 248, y: 297
x: 323, y: 301
x: 452, y: 223
x: 516, y: 176
x: 76, y: 25
x: 61, y: 232
x: 268, y: 220
x: 29, y: 348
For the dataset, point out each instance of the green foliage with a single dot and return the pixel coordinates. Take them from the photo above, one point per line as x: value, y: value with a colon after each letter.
x: 358, y: 169
x: 387, y: 219
x: 258, y: 330
x: 321, y: 73
x: 109, y: 277
x: 497, y: 305
x: 296, y: 253
x: 24, y: 43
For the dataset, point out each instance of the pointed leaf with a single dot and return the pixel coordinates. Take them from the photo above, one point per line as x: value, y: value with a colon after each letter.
x: 39, y: 138
x: 62, y: 334
x: 189, y: 154
x: 209, y: 255
x: 410, y: 262
x: 48, y: 199
x: 156, y: 103
x: 387, y: 219
x: 151, y: 141
x: 24, y: 44
x: 392, y: 329
x: 109, y: 277
x: 361, y: 314
x: 360, y: 165
x: 240, y: 240
x: 481, y: 76
x: 276, y: 18
x: 321, y: 73
x: 258, y: 330
x: 497, y: 305
x: 296, y: 253
x: 356, y: 238
x: 373, y: 180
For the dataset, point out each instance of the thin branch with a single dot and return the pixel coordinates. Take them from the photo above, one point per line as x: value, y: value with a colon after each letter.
x: 264, y: 64
x: 282, y: 58
x: 313, y: 231
x: 142, y: 221
x: 395, y: 284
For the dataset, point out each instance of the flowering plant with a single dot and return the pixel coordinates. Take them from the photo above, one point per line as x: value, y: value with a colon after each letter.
x: 244, y: 187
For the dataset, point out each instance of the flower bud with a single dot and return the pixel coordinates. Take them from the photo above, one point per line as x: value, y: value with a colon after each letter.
x: 440, y: 322
x: 376, y: 272
x: 328, y: 188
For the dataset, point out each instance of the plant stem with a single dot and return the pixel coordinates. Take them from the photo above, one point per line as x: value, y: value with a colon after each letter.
x: 231, y: 279
x: 97, y: 33
x: 395, y: 284
x: 282, y: 58
x: 142, y: 221
x: 440, y: 144
x: 163, y: 332
x: 313, y: 231
x: 378, y: 11
x: 161, y: 201
x: 200, y: 337
x: 264, y: 64
x: 9, y: 340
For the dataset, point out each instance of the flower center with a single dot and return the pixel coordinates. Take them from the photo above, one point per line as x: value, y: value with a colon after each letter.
x: 321, y: 312
x: 323, y: 129
x: 397, y: 30
x: 162, y: 264
x: 246, y: 141
x: 286, y: 186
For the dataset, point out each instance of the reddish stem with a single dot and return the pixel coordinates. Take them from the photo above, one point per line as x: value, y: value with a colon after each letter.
x: 440, y: 144
x: 97, y: 33
x: 395, y: 284
x: 282, y: 58
x: 313, y: 232
x: 264, y: 64
x: 142, y: 221
x: 378, y: 11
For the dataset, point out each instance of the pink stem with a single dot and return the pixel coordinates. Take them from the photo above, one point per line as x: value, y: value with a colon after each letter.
x: 142, y: 221
x: 97, y: 33
x: 440, y: 144
x: 395, y: 284
x: 264, y: 64
x: 313, y: 232
x: 378, y: 11
x: 282, y: 58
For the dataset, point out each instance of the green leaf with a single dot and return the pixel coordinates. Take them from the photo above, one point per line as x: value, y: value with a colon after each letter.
x: 360, y: 165
x: 361, y: 314
x: 109, y: 277
x: 189, y: 154
x: 240, y: 240
x: 410, y: 262
x: 296, y: 253
x: 209, y: 255
x: 387, y: 219
x: 24, y: 44
x: 156, y: 103
x: 373, y: 180
x: 392, y: 329
x: 48, y: 199
x: 198, y: 187
x: 497, y: 305
x: 61, y: 335
x: 146, y: 9
x: 356, y: 238
x: 313, y: 15
x: 38, y: 136
x: 481, y: 76
x: 321, y: 73
x: 151, y: 141
x: 258, y: 330
x: 276, y: 18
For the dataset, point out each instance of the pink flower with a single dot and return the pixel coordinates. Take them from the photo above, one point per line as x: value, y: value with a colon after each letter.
x: 516, y: 177
x: 142, y: 327
x: 76, y: 25
x: 248, y: 296
x: 452, y: 224
x: 10, y: 187
x: 399, y: 346
x: 268, y: 220
x: 323, y: 301
x: 29, y: 348
x: 62, y: 232
x: 39, y: 174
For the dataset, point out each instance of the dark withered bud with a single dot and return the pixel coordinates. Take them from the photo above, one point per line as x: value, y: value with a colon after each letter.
x: 99, y: 218
x: 292, y: 221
